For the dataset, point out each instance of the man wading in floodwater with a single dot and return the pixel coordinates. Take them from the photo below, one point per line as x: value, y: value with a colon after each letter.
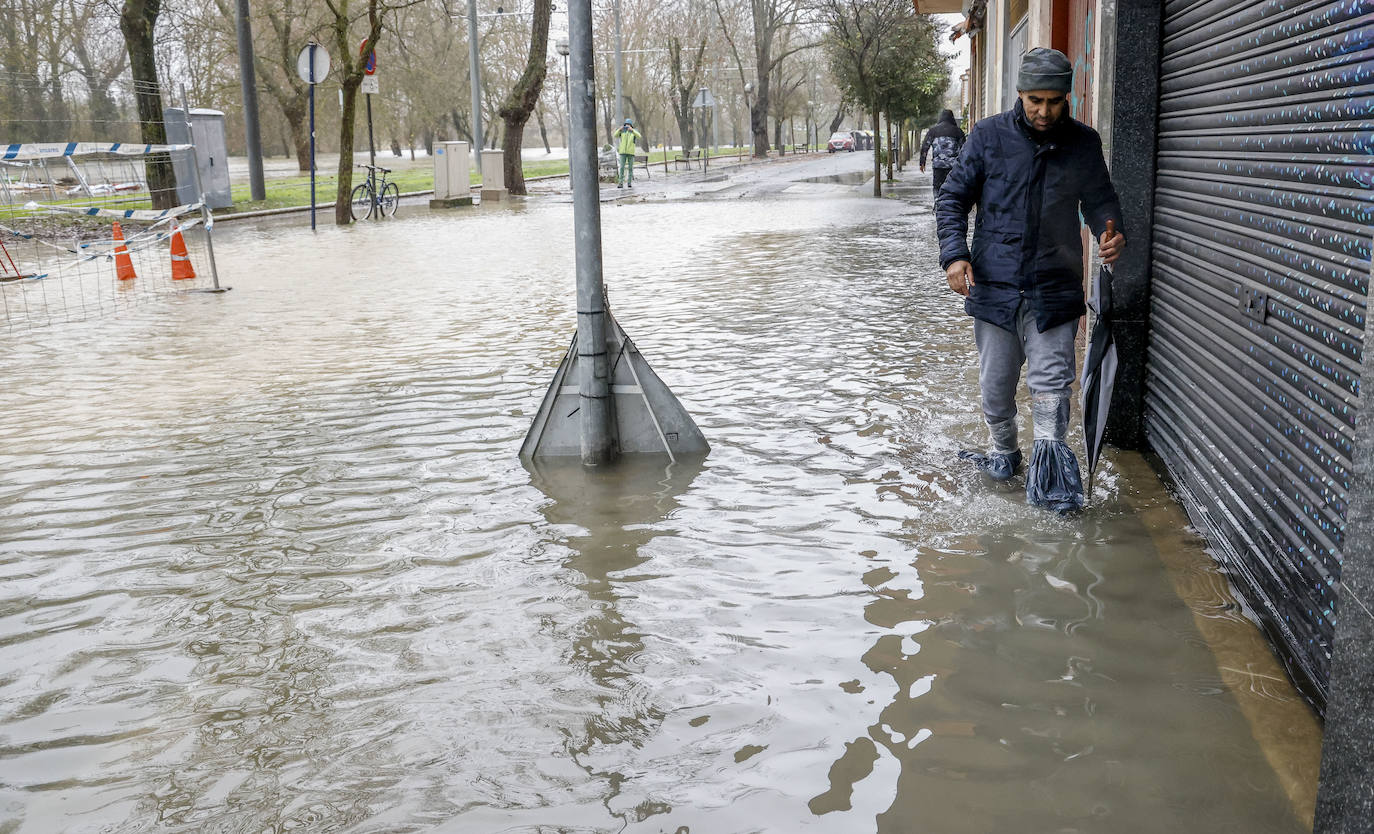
x: 1028, y: 171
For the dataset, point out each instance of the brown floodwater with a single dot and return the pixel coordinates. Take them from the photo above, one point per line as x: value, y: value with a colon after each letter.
x: 271, y: 563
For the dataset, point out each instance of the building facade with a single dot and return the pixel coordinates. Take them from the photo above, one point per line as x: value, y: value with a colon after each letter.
x: 1240, y: 135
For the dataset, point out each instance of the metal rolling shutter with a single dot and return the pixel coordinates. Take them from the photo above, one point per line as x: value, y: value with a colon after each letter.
x: 1261, y: 267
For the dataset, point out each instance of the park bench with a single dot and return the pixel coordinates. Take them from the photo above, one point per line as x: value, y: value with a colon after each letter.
x: 690, y: 158
x: 642, y: 161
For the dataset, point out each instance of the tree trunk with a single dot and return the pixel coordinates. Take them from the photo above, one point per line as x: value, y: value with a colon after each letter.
x: 543, y: 131
x: 684, y: 87
x: 103, y: 111
x: 764, y: 29
x: 890, y: 154
x: 460, y: 124
x: 877, y: 162
x: 136, y: 22
x: 298, y: 124
x: 343, y: 210
x: 758, y: 124
x: 901, y: 144
x: 838, y: 120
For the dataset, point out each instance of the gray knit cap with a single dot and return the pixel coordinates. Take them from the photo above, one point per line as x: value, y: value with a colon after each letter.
x: 1045, y: 69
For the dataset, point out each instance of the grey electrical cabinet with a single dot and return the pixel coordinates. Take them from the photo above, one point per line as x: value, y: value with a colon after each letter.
x: 212, y: 155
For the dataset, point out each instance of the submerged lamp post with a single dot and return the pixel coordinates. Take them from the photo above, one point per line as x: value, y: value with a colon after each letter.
x: 619, y: 70
x: 475, y: 82
x: 605, y: 400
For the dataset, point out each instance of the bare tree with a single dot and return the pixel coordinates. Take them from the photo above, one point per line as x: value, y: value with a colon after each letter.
x: 768, y: 19
x: 99, y: 68
x: 684, y: 86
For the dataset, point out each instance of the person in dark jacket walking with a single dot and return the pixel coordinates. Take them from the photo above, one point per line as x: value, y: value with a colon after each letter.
x: 1029, y: 171
x: 943, y: 143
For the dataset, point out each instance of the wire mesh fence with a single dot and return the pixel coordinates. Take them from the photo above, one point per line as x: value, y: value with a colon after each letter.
x: 92, y: 223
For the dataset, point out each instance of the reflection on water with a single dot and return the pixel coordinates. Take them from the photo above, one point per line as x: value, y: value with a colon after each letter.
x: 609, y: 518
x: 271, y: 561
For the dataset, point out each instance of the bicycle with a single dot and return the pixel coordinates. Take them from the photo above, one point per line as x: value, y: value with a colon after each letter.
x: 370, y: 195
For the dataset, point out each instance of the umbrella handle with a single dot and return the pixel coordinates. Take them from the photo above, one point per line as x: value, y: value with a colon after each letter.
x: 1111, y: 233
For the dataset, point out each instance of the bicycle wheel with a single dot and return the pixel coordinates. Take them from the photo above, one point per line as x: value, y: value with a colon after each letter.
x: 361, y: 201
x: 390, y: 199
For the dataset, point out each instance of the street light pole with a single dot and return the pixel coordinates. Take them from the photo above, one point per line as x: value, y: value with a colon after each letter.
x: 252, y: 136
x: 594, y: 390
x: 619, y: 61
x: 579, y: 413
x: 475, y: 75
x: 561, y: 47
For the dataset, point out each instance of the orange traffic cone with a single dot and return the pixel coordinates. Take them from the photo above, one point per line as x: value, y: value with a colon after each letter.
x: 181, y: 262
x: 124, y: 265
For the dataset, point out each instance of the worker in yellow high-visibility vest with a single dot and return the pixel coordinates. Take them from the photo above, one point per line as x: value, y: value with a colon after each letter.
x: 625, y: 143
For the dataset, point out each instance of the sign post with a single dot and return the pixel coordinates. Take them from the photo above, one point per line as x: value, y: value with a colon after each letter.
x: 312, y: 65
x: 370, y: 86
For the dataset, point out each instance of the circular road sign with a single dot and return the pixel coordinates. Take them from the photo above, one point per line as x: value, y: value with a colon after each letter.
x: 312, y: 57
x: 371, y: 66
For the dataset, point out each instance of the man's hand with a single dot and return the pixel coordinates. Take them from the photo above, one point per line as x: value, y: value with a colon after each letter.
x: 923, y: 168
x: 960, y: 277
x: 1111, y: 243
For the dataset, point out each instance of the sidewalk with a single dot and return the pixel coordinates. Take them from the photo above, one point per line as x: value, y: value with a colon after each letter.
x: 653, y: 184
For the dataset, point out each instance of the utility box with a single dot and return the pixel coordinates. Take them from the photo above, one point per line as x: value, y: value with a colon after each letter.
x: 452, y: 175
x: 493, y: 176
x: 212, y: 155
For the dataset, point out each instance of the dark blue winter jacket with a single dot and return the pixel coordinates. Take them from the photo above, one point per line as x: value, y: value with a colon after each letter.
x: 1027, y: 239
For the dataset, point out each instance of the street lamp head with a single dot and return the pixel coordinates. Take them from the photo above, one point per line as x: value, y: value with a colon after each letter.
x: 562, y: 47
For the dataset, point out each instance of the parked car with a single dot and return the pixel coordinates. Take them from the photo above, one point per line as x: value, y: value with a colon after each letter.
x: 840, y: 142
x: 863, y: 139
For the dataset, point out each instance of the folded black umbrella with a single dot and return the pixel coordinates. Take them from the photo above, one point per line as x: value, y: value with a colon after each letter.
x: 1099, y: 371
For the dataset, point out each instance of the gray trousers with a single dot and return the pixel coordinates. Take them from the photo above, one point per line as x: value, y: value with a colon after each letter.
x: 1049, y: 358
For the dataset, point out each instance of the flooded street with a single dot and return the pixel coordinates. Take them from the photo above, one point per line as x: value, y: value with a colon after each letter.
x: 271, y: 562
